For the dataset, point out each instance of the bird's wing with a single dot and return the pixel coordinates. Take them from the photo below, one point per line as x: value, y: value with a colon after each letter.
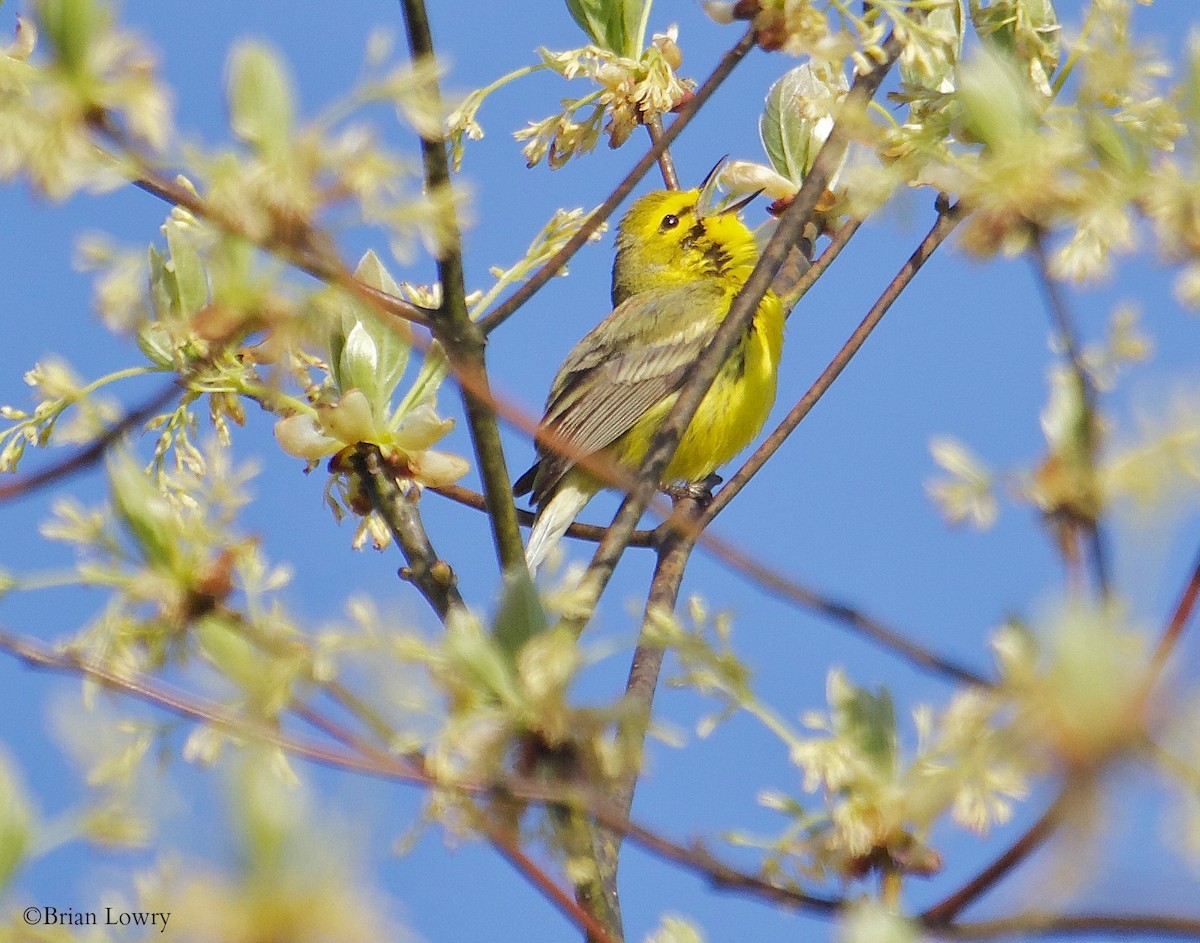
x: 636, y: 357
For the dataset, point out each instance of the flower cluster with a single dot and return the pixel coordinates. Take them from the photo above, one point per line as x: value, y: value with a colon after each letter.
x: 631, y: 91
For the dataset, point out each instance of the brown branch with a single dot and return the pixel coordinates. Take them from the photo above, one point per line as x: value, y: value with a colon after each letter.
x: 432, y: 575
x: 687, y: 111
x: 1176, y: 625
x: 666, y: 165
x: 319, y: 265
x: 791, y: 294
x: 666, y: 439
x: 673, y: 553
x: 1123, y: 926
x: 857, y: 621
x: 948, y: 218
x: 590, y: 532
x: 462, y: 338
x: 512, y: 852
x: 942, y: 913
x: 1060, y: 316
x: 91, y: 454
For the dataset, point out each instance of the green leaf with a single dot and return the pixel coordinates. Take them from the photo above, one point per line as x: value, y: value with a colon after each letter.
x: 997, y: 103
x: 865, y: 719
x: 611, y: 24
x: 15, y: 821
x: 145, y: 513
x: 392, y: 337
x: 187, y: 271
x: 70, y: 26
x: 433, y: 370
x: 948, y: 19
x: 797, y: 117
x: 1027, y: 30
x: 259, y: 95
x: 520, y: 616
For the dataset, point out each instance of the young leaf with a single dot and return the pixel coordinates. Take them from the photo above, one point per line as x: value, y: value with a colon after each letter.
x: 259, y: 96
x: 797, y: 118
x: 865, y: 719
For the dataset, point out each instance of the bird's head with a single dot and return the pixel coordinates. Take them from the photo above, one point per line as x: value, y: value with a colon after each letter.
x: 676, y: 237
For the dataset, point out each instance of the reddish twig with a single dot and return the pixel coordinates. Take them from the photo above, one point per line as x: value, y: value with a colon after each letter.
x: 943, y: 912
x: 948, y: 218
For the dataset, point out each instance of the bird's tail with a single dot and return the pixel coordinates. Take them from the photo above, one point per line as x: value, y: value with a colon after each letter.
x: 554, y: 517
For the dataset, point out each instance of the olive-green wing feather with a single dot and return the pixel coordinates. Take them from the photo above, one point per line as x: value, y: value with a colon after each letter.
x: 639, y: 355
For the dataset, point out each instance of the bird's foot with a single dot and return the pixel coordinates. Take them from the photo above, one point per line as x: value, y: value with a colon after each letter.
x: 701, y: 491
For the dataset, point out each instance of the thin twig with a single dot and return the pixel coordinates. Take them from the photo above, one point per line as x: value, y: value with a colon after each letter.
x: 589, y: 532
x: 947, y: 219
x: 91, y: 454
x: 791, y: 294
x: 512, y: 852
x: 432, y: 575
x: 1177, y: 623
x: 673, y: 553
x: 943, y: 912
x: 857, y: 621
x: 1060, y: 315
x: 462, y: 338
x: 743, y: 308
x: 687, y: 111
x: 317, y: 264
x: 654, y: 127
x: 1122, y: 926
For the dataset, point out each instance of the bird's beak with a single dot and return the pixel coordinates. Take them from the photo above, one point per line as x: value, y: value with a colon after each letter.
x: 708, y: 189
x: 742, y: 203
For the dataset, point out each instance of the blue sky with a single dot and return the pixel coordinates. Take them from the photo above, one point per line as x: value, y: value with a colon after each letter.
x: 842, y: 507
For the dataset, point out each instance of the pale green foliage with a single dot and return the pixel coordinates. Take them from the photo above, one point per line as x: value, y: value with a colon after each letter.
x: 295, y: 881
x: 48, y: 112
x: 259, y: 93
x: 1027, y: 30
x: 878, y: 803
x: 675, y: 929
x: 869, y: 921
x: 16, y: 819
x: 967, y: 494
x: 1089, y: 466
x: 1075, y: 684
x: 616, y: 25
x: 561, y: 227
x: 57, y: 389
x: 167, y: 555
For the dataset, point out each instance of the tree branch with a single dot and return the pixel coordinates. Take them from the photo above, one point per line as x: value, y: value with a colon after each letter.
x: 372, y: 761
x: 1122, y: 926
x: 948, y: 218
x: 461, y: 337
x: 426, y: 570
x: 1060, y: 316
x: 673, y: 552
x: 942, y: 913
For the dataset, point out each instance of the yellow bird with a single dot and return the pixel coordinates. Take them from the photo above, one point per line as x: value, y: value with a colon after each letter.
x: 679, y: 266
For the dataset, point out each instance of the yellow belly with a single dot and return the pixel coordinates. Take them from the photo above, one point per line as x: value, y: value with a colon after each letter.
x: 732, y: 412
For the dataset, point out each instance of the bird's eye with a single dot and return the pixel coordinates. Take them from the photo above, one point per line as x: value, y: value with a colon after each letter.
x: 670, y: 221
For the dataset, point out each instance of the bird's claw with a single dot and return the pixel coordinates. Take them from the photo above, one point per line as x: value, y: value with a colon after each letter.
x: 701, y: 491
